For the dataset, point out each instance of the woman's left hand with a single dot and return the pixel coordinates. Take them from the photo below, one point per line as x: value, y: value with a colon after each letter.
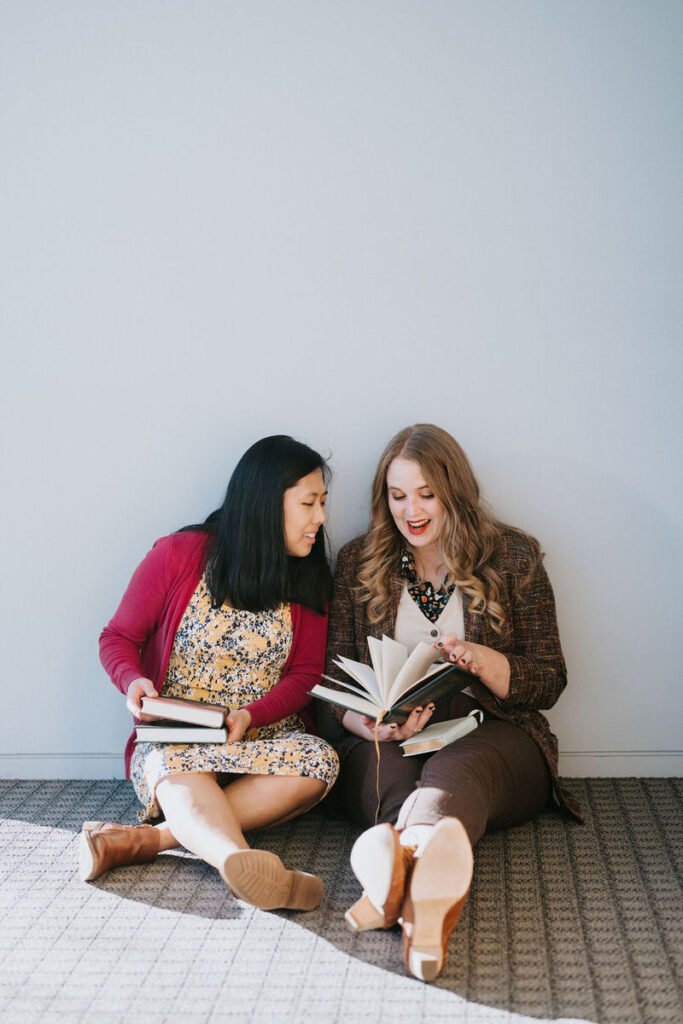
x: 491, y: 667
x: 464, y: 655
x: 238, y: 722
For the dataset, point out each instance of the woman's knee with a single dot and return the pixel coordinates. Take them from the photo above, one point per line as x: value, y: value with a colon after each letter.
x: 313, y: 787
x: 305, y: 791
x: 190, y: 783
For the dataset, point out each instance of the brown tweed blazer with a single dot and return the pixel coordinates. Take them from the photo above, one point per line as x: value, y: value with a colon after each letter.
x: 529, y: 639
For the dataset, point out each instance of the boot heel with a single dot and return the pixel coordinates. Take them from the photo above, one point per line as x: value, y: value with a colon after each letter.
x: 431, y: 930
x: 364, y: 915
x: 306, y: 891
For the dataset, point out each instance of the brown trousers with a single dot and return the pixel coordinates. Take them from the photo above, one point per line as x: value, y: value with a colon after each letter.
x: 492, y: 778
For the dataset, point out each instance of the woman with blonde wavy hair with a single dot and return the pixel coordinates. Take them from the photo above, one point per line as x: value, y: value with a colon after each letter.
x: 435, y: 566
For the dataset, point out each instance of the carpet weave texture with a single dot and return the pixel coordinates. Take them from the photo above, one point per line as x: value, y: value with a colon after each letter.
x: 565, y: 922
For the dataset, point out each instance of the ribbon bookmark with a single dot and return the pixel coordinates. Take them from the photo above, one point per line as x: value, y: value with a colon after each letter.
x: 377, y: 724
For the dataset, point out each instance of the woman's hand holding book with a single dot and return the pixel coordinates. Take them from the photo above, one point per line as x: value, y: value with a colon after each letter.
x: 238, y: 722
x: 363, y: 726
x: 138, y: 689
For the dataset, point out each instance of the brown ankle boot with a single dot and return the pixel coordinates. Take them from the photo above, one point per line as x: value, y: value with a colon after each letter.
x: 105, y: 845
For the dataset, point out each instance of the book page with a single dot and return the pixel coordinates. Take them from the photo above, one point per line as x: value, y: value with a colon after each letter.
x: 363, y: 674
x: 347, y: 686
x: 375, y: 647
x: 415, y: 669
x: 394, y: 657
x: 347, y: 700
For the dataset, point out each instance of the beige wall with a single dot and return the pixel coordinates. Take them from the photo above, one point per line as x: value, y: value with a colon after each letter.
x: 224, y: 220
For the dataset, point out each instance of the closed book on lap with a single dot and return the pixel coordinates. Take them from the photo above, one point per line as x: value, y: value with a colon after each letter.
x: 194, y: 711
x: 441, y: 734
x: 178, y: 732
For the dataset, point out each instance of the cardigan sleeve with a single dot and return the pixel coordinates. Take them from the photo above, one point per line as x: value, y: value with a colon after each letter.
x: 301, y: 673
x: 538, y: 674
x: 122, y: 640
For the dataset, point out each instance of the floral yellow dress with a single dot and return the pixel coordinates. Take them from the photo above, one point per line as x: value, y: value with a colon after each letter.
x: 231, y: 657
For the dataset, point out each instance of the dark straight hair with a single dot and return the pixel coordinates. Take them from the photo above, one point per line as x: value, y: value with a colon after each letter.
x: 248, y: 565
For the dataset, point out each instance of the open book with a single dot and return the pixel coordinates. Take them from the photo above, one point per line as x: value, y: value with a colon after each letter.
x: 396, y: 682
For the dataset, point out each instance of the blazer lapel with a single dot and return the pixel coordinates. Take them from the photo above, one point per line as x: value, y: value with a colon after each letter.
x: 389, y: 624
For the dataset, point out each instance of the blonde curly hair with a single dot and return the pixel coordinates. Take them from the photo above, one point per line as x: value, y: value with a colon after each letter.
x: 470, y: 535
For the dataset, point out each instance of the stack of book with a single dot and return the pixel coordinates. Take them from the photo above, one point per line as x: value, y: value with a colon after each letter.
x: 182, y: 721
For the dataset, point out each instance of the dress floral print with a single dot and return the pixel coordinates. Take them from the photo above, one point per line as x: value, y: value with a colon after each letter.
x: 231, y: 657
x: 431, y: 602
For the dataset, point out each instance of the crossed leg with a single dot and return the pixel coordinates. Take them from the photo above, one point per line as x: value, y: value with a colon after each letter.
x: 210, y: 821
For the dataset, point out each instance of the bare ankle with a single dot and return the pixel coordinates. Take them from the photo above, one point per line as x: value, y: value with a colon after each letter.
x: 167, y: 841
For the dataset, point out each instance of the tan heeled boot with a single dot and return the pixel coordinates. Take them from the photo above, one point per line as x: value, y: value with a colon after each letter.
x: 106, y: 844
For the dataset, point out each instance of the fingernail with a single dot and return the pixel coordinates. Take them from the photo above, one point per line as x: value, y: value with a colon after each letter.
x: 439, y: 644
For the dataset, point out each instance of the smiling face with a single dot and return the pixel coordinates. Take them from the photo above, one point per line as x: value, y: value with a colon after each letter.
x: 304, y: 513
x: 416, y: 511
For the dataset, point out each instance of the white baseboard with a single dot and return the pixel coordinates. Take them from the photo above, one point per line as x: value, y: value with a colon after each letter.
x: 575, y: 764
x: 62, y: 766
x: 580, y: 764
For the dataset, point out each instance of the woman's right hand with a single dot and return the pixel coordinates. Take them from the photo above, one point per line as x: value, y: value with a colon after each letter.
x: 138, y: 689
x: 365, y: 727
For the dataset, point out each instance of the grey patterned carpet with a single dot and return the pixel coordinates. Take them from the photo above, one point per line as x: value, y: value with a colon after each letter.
x: 564, y: 923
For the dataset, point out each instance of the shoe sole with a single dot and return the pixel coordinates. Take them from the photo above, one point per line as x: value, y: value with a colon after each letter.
x: 438, y: 890
x: 261, y: 879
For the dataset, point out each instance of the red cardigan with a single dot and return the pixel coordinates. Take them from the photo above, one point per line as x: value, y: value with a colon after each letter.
x: 139, y: 639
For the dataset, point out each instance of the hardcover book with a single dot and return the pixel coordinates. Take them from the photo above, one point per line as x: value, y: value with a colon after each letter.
x: 440, y: 734
x: 178, y: 732
x: 396, y: 682
x: 193, y: 711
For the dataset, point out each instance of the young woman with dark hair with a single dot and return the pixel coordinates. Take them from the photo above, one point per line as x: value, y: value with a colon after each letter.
x: 435, y: 566
x: 232, y: 612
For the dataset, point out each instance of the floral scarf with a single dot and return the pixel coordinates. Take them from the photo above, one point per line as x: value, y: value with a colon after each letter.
x: 431, y: 602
